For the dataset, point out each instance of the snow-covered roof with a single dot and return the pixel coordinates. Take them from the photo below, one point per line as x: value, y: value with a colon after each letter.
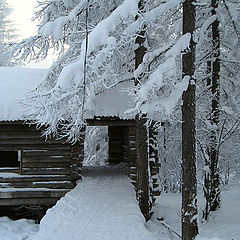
x: 15, y: 83
x: 115, y: 101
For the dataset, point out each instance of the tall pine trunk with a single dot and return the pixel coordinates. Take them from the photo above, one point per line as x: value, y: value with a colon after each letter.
x: 189, y: 180
x: 211, y: 180
x: 142, y: 183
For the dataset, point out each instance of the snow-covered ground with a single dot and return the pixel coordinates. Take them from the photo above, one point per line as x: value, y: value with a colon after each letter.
x: 17, y: 230
x: 224, y: 224
x: 103, y: 207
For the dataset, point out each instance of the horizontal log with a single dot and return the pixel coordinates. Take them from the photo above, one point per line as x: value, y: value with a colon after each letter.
x: 45, y: 165
x: 54, y: 185
x: 115, y: 151
x: 43, y: 178
x: 155, y: 185
x: 52, y: 152
x: 115, y: 155
x: 45, y: 171
x: 28, y: 201
x: 45, y: 159
x: 21, y: 134
x: 156, y: 193
x: 154, y: 171
x: 28, y: 141
x: 31, y: 146
x: 10, y: 170
x: 50, y: 185
x: 133, y: 179
x: 17, y: 128
x: 28, y: 193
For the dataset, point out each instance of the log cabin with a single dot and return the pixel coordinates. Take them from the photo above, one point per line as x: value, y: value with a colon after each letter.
x: 35, y: 171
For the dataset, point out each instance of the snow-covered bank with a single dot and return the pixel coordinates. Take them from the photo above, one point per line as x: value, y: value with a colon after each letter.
x: 16, y: 230
x: 224, y: 224
x: 102, y: 207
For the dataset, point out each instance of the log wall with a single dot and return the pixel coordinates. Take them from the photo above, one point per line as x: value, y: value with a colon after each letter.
x: 47, y: 168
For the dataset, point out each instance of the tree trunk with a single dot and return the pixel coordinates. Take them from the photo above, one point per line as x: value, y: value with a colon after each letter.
x: 211, y: 181
x: 189, y: 181
x: 142, y: 183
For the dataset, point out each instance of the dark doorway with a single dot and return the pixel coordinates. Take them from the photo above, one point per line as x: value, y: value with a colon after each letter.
x: 9, y: 159
x: 118, y: 144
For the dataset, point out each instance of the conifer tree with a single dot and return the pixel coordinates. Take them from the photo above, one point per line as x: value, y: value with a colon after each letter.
x: 189, y: 179
x: 7, y: 33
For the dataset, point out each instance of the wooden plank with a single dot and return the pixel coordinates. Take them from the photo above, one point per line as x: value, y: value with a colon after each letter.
x: 28, y: 201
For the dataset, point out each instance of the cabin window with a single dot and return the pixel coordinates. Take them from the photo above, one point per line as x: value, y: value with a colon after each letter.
x: 10, y: 158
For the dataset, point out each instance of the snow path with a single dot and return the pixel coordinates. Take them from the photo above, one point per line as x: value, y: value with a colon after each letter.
x: 102, y: 207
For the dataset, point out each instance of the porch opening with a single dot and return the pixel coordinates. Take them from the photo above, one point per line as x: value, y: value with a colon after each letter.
x: 110, y: 142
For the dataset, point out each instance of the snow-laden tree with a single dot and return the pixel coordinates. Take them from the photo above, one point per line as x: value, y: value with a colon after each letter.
x: 96, y: 146
x: 217, y: 63
x: 97, y: 42
x: 7, y: 34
